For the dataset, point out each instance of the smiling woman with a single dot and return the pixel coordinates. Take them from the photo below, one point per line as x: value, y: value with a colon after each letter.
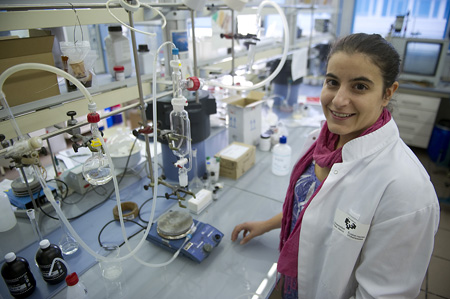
x: 360, y: 212
x: 359, y: 84
x: 352, y: 96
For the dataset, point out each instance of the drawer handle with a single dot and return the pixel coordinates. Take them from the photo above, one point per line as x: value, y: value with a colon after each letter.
x: 415, y: 116
x: 403, y: 128
x: 415, y: 104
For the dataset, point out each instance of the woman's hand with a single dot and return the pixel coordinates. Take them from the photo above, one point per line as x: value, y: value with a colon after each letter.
x: 251, y: 230
x: 256, y: 228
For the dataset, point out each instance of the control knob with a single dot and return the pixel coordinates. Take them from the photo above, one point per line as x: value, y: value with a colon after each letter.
x: 208, y: 248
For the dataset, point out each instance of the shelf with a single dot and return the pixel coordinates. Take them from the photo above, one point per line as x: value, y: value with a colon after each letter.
x: 48, y: 115
x: 30, y: 19
x: 263, y: 52
x: 50, y: 111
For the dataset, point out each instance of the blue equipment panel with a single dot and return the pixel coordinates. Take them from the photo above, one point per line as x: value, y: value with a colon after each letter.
x: 203, y: 241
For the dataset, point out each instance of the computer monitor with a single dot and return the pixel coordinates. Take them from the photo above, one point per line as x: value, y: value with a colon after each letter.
x: 422, y: 59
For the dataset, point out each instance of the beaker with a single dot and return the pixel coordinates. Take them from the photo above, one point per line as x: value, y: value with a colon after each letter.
x: 67, y: 242
x: 196, y: 183
x: 111, y: 271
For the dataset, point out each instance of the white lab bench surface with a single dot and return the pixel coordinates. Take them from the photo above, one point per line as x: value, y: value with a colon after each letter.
x: 230, y: 271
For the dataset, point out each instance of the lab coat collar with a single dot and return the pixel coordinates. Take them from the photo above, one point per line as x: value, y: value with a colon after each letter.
x: 369, y: 144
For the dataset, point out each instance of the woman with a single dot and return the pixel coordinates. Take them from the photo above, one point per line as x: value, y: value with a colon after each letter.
x: 360, y: 212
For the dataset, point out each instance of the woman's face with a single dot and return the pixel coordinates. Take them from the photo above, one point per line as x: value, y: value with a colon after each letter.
x: 352, y: 95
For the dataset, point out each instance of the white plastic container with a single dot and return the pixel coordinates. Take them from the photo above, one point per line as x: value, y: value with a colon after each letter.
x: 145, y: 60
x: 281, y: 158
x: 264, y: 142
x: 75, y: 289
x: 119, y: 72
x: 7, y: 218
x: 118, y: 50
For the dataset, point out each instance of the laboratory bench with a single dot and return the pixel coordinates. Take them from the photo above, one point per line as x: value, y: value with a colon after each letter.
x: 230, y: 271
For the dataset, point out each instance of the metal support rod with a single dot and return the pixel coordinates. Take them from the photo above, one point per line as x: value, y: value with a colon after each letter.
x: 194, y: 52
x: 312, y: 27
x: 141, y: 97
x: 30, y: 193
x: 84, y: 123
x: 232, y: 46
x: 53, y: 157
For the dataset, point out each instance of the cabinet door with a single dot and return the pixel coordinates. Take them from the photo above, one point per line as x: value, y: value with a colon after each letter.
x: 414, y: 115
x: 414, y: 128
x: 421, y: 103
x: 415, y: 140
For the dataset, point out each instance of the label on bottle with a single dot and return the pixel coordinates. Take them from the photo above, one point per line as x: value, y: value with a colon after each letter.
x: 281, y: 161
x: 55, y: 276
x: 120, y: 76
x: 19, y: 285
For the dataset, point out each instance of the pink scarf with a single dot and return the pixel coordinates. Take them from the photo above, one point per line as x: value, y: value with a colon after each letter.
x: 324, y: 153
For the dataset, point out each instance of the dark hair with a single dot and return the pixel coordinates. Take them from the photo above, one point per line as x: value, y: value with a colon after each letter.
x: 380, y: 52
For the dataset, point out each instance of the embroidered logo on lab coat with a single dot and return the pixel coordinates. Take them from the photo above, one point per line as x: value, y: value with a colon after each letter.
x: 349, y: 226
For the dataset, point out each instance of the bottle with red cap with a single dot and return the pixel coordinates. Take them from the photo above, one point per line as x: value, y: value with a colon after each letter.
x: 75, y: 288
x: 17, y: 275
x: 119, y: 72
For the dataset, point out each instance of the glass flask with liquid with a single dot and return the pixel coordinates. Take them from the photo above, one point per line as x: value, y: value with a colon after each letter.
x: 96, y: 169
x: 181, y: 127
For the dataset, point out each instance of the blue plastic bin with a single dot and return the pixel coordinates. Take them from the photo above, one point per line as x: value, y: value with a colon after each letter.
x: 438, y: 148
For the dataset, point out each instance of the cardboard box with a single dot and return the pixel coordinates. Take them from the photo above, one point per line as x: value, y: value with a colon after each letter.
x: 30, y: 85
x: 236, y: 159
x: 245, y: 118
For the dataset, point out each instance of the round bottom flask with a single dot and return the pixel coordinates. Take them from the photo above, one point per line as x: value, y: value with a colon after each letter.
x: 96, y: 169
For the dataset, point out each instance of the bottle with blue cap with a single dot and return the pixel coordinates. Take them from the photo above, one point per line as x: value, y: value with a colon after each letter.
x: 281, y: 158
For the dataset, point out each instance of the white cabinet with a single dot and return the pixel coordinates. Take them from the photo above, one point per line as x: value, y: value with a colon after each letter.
x: 415, y: 116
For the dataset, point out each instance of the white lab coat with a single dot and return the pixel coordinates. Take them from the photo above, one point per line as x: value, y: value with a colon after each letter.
x: 369, y: 232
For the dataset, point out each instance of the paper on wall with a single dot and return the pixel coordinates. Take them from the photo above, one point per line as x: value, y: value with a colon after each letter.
x: 299, y: 64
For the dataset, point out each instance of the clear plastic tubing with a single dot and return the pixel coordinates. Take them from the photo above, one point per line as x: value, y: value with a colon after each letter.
x: 283, y: 58
x: 155, y: 163
x: 133, y: 8
x: 46, y: 189
x: 5, y: 104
